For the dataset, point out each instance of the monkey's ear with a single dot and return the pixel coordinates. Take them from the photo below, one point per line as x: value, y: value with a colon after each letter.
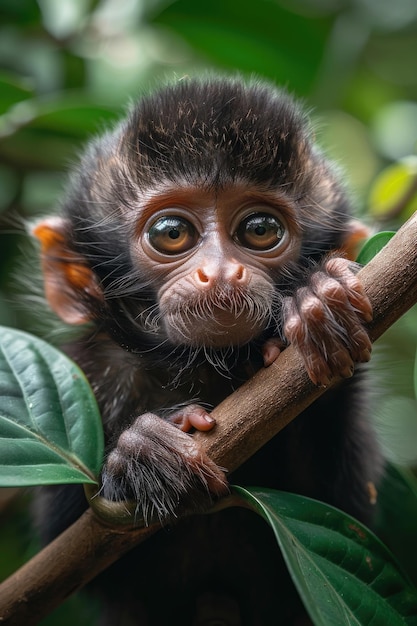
x: 357, y: 233
x: 70, y: 285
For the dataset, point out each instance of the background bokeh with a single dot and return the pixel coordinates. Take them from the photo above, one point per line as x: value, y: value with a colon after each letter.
x: 68, y: 68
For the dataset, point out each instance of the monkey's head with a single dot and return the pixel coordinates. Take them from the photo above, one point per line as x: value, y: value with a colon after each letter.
x: 185, y: 223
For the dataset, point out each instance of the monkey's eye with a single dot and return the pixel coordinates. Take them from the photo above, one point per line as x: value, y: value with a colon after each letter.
x: 260, y: 231
x: 172, y: 235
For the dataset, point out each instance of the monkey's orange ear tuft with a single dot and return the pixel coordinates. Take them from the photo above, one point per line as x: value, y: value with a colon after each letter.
x: 70, y: 285
x: 358, y: 232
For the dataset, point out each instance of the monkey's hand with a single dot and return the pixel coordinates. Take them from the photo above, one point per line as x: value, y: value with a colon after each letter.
x: 162, y: 468
x: 324, y: 320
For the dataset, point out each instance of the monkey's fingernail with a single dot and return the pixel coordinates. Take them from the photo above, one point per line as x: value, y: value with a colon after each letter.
x: 347, y: 372
x: 209, y: 419
x: 318, y: 383
x: 365, y: 311
x: 365, y: 356
x: 324, y: 382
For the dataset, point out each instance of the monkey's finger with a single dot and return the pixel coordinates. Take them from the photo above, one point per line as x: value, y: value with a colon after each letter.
x: 329, y: 291
x: 317, y: 368
x: 301, y: 314
x: 192, y: 416
x: 323, y: 325
x: 345, y: 345
x: 343, y: 324
x: 341, y: 269
x: 341, y: 301
x: 200, y: 421
x: 306, y: 320
x: 361, y: 344
x: 348, y: 327
x: 329, y: 358
x: 271, y: 350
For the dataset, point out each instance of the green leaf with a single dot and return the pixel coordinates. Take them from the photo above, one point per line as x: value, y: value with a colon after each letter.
x: 235, y: 36
x: 397, y: 516
x: 394, y: 193
x: 12, y: 91
x: 47, y: 134
x: 72, y: 116
x: 22, y: 12
x: 415, y: 376
x: 50, y: 426
x: 373, y: 246
x: 342, y: 572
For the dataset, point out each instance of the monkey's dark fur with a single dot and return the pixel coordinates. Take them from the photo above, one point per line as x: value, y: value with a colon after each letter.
x: 210, y: 134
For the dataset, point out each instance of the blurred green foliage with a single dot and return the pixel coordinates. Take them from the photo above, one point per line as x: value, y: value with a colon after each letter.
x: 68, y: 68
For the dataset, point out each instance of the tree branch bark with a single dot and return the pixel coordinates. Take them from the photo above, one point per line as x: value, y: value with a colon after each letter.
x: 246, y: 420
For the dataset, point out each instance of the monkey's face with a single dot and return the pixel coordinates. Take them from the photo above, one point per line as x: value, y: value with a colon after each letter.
x: 213, y: 256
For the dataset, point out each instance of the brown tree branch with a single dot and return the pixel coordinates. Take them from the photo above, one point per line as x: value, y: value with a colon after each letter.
x: 245, y: 421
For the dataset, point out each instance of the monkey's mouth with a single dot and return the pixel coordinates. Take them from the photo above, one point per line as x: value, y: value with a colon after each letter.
x: 217, y: 325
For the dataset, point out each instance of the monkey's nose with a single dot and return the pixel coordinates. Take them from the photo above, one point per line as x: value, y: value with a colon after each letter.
x: 202, y: 276
x: 236, y: 273
x: 232, y: 273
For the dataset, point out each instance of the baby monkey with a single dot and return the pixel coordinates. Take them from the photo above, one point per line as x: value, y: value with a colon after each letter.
x: 196, y: 240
